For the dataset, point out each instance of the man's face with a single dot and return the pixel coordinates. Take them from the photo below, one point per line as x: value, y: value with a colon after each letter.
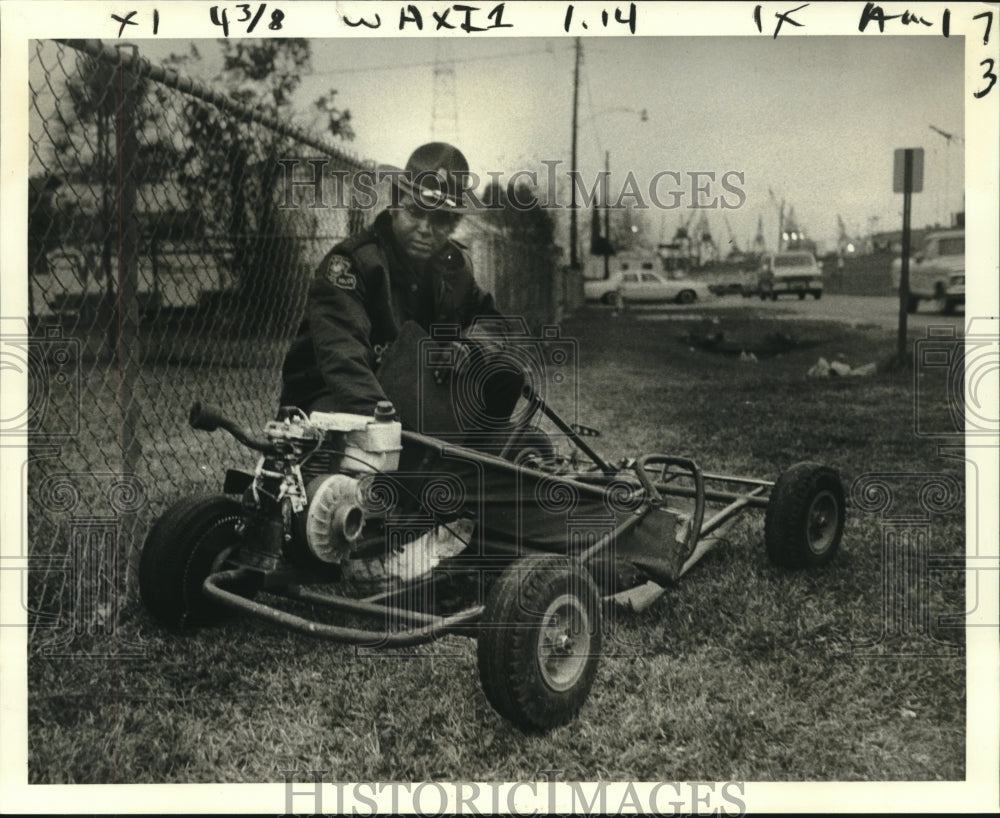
x: 421, y: 232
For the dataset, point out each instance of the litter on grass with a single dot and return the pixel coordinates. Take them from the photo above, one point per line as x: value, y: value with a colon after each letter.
x: 824, y: 369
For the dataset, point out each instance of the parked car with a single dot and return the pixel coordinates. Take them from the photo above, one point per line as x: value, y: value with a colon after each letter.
x: 791, y: 272
x: 646, y: 284
x: 727, y: 284
x: 937, y: 272
x: 749, y: 286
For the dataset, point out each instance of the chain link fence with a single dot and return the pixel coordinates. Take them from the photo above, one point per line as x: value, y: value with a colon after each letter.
x: 162, y: 269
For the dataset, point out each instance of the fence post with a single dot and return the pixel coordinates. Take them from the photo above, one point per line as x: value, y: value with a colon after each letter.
x: 127, y: 314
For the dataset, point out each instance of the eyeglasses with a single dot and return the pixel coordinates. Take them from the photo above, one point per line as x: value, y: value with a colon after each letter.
x: 437, y: 219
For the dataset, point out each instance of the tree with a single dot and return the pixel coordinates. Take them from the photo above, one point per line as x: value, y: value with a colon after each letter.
x: 83, y: 160
x: 231, y: 174
x: 519, y: 214
x: 630, y: 231
x: 88, y: 127
x: 528, y: 235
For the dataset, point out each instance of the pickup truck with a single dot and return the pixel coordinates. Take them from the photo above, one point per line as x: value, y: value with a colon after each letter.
x: 937, y: 272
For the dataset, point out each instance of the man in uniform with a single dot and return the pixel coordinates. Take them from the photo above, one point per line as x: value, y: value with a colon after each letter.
x: 405, y: 267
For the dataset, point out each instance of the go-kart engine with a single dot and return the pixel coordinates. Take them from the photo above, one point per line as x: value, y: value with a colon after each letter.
x: 353, y: 446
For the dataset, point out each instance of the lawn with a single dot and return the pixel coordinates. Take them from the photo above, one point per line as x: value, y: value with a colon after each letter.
x: 741, y: 671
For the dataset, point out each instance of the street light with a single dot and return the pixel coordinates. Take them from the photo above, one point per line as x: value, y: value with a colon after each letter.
x: 643, y: 117
x: 948, y: 137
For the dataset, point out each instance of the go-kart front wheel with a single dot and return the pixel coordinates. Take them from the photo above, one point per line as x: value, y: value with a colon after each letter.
x: 190, y: 541
x: 540, y: 642
x: 805, y: 517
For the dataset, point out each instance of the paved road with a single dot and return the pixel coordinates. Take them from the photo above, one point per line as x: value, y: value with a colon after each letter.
x: 881, y: 311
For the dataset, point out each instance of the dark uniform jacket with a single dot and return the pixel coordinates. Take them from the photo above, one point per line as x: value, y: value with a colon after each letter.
x: 362, y: 293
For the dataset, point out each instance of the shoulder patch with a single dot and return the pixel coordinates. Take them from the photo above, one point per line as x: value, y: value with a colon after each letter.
x: 338, y: 273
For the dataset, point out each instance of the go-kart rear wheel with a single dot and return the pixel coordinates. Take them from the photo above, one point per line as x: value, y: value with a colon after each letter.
x: 532, y: 446
x: 805, y: 517
x: 366, y: 577
x: 540, y: 642
x: 190, y: 541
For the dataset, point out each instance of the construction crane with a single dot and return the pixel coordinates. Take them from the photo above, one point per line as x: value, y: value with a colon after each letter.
x: 734, y: 245
x: 677, y: 253
x: 759, y: 242
x: 781, y: 219
x: 683, y: 230
x: 707, y: 249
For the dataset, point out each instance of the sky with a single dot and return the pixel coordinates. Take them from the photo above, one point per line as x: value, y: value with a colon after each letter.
x: 813, y: 120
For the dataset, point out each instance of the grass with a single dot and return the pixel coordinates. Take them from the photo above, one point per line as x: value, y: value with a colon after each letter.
x: 741, y: 670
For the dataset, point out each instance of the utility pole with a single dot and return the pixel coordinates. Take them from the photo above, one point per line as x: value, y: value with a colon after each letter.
x: 574, y: 260
x: 607, y: 214
x: 908, y: 178
x: 904, y: 272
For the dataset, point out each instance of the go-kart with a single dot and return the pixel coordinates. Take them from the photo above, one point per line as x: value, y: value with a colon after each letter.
x: 493, y: 535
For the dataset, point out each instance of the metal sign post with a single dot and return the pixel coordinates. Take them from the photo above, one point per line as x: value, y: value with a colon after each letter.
x: 907, y: 178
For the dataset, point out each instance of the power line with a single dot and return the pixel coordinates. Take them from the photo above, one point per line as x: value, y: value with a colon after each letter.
x: 427, y: 63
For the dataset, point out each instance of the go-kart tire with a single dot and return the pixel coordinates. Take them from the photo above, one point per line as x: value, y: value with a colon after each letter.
x: 532, y: 444
x: 366, y: 577
x: 540, y: 642
x: 187, y: 543
x: 804, y: 521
